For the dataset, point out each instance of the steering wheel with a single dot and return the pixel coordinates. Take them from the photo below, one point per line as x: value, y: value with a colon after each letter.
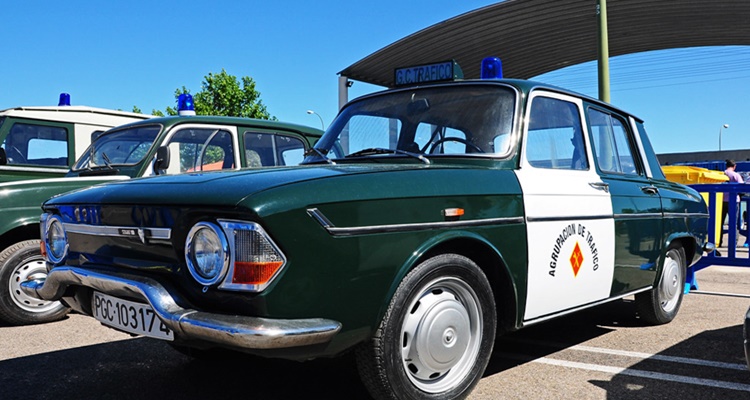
x: 454, y: 139
x: 14, y: 155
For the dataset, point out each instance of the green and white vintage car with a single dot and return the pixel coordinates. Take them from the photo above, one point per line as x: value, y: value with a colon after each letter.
x: 426, y: 221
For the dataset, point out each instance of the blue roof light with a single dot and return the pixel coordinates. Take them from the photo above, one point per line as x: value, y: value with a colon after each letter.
x: 185, y: 105
x: 492, y: 68
x: 64, y: 99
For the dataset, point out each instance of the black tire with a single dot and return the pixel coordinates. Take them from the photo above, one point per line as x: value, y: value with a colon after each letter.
x: 447, y: 297
x: 18, y: 263
x: 660, y: 305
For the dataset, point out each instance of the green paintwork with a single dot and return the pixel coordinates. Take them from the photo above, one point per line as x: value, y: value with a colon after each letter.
x: 350, y: 278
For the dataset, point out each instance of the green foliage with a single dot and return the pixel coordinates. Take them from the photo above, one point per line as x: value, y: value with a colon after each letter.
x: 222, y: 94
x: 137, y: 110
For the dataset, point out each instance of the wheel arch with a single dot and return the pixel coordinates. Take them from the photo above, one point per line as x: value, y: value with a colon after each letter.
x: 27, y: 231
x: 485, y: 255
x: 688, y: 244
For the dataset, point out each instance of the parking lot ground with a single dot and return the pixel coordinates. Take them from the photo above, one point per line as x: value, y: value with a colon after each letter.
x: 601, y: 353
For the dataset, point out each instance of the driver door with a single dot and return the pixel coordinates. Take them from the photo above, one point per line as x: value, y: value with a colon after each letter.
x: 568, y: 210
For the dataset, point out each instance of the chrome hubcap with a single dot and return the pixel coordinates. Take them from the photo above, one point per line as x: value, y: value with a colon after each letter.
x: 441, y: 335
x: 670, y: 286
x: 31, y: 269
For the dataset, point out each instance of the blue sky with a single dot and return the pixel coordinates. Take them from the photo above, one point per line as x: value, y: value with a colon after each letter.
x: 121, y: 54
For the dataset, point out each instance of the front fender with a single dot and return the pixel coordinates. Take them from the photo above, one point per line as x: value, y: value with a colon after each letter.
x: 439, y: 244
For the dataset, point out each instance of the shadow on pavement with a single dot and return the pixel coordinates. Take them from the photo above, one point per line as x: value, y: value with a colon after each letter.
x: 566, y: 331
x: 650, y: 377
x: 150, y: 369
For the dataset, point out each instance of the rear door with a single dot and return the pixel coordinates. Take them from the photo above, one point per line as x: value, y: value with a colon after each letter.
x: 636, y: 203
x: 570, y: 229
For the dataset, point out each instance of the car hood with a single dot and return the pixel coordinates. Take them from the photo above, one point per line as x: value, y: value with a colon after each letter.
x: 222, y: 188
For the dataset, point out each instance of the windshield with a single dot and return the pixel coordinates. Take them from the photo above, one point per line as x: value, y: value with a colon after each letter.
x: 455, y: 120
x: 122, y: 147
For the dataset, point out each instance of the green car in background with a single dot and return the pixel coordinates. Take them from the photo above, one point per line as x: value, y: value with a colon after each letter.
x: 168, y: 145
x: 44, y: 142
x: 427, y: 220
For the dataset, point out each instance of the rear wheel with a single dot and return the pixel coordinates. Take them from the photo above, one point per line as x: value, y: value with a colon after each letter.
x: 436, y: 337
x: 19, y: 263
x: 660, y: 304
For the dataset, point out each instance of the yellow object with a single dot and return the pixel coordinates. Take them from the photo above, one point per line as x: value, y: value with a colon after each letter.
x: 695, y: 175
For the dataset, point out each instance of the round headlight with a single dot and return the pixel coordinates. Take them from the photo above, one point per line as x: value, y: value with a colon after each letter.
x: 206, y: 253
x: 56, y: 240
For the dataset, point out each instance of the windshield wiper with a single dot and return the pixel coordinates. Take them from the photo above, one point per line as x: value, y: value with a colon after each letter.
x: 380, y: 150
x: 313, y: 150
x: 107, y: 161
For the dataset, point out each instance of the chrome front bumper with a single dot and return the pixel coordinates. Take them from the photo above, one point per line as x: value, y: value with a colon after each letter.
x: 225, y: 330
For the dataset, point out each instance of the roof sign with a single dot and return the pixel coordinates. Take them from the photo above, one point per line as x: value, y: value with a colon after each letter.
x: 437, y: 72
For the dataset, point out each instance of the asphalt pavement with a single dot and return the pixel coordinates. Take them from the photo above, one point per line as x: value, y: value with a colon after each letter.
x: 601, y: 353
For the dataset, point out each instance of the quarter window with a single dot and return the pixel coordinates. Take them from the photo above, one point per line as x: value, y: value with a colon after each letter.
x: 612, y: 144
x: 555, y: 138
x: 269, y: 149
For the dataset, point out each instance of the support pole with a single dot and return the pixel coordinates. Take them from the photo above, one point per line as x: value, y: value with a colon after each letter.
x: 343, y: 91
x: 601, y: 10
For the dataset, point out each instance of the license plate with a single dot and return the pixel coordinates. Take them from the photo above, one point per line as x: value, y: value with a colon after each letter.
x: 129, y: 316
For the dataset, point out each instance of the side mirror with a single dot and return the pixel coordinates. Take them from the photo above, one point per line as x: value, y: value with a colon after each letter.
x: 3, y: 157
x: 162, y: 160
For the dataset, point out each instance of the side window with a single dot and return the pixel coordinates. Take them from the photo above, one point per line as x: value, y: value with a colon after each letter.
x: 612, y: 144
x: 201, y: 149
x: 555, y: 138
x: 41, y: 145
x: 269, y: 149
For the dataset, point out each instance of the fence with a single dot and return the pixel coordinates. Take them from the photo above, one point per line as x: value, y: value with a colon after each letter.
x: 736, y: 227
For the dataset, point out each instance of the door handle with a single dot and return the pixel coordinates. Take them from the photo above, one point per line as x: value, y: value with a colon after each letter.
x: 600, y: 186
x: 650, y: 189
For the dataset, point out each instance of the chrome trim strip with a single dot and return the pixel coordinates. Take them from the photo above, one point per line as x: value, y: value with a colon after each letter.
x: 638, y: 216
x: 686, y: 215
x: 361, y: 230
x: 568, y: 218
x: 583, y: 307
x: 189, y: 324
x: 318, y: 215
x: 31, y: 168
x: 116, y: 231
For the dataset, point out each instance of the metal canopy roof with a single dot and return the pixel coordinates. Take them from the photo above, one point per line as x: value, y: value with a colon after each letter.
x: 537, y: 36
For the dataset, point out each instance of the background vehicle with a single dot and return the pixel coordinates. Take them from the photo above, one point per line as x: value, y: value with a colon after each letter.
x: 168, y: 145
x: 426, y: 220
x: 43, y: 142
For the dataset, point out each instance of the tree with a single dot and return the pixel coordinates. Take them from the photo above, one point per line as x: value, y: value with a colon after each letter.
x: 223, y: 94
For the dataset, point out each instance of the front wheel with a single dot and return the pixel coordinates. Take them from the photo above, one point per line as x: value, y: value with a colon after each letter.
x: 19, y: 263
x: 436, y: 337
x: 660, y: 304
